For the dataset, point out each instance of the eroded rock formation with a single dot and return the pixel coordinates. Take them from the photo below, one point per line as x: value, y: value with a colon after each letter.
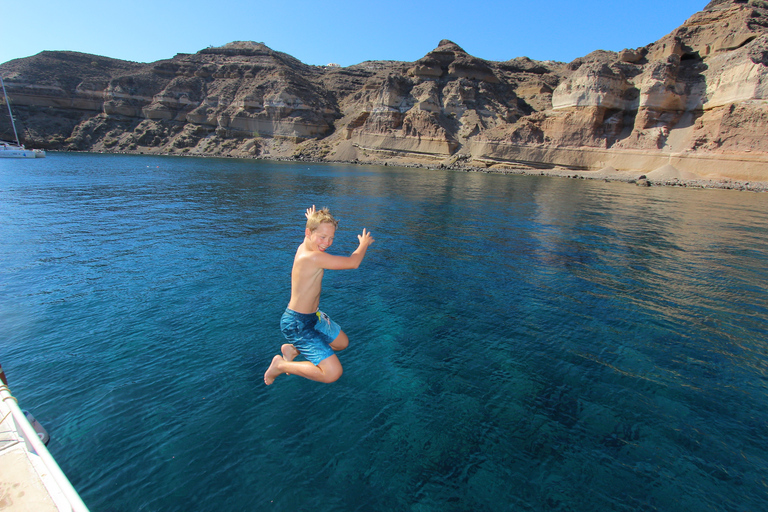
x: 697, y: 100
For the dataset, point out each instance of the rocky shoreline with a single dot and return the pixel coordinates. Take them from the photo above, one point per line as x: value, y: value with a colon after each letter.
x: 642, y: 180
x: 662, y: 177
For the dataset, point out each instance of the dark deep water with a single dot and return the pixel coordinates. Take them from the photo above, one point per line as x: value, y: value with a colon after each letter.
x: 517, y: 342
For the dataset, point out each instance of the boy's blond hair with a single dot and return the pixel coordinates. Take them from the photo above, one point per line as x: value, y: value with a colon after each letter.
x: 319, y: 217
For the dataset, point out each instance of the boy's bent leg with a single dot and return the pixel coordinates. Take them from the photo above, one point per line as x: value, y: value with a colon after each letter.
x: 329, y: 370
x: 274, y: 370
x: 341, y: 342
x: 289, y: 352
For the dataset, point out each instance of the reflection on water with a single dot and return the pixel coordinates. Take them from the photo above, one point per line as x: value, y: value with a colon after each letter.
x: 517, y: 342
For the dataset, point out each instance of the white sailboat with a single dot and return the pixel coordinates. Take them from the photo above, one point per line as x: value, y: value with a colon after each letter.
x: 11, y: 149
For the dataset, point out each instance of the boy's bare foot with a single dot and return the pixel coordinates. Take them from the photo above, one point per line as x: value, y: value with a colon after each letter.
x: 272, y: 372
x: 289, y: 352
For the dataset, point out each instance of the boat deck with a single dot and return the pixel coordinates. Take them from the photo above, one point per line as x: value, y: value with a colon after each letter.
x: 30, y: 480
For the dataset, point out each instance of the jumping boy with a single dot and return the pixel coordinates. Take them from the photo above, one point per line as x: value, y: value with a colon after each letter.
x: 308, y: 330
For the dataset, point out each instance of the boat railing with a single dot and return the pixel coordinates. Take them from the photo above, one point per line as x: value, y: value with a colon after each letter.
x: 36, y: 446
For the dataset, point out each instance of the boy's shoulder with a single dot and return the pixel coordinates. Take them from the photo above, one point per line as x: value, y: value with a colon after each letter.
x: 304, y: 253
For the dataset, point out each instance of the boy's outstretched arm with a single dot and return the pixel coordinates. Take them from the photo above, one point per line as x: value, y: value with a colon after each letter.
x: 331, y: 262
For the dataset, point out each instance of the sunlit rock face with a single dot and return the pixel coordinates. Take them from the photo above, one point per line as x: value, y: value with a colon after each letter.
x: 700, y: 92
x: 240, y: 91
x: 714, y: 67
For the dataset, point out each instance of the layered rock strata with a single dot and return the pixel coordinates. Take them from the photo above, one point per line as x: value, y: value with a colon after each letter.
x: 696, y: 100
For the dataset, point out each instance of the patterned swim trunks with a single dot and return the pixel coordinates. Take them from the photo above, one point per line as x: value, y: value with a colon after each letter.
x: 311, y: 334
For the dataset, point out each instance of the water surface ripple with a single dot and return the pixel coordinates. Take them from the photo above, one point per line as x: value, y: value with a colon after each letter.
x: 517, y: 342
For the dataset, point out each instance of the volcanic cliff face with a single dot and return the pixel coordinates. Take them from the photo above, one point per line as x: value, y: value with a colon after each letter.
x: 437, y: 104
x: 209, y: 101
x: 696, y: 99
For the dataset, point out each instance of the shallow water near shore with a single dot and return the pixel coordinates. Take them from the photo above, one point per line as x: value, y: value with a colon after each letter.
x: 516, y: 342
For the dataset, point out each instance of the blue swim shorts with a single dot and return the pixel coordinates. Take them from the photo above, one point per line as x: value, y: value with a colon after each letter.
x: 311, y: 334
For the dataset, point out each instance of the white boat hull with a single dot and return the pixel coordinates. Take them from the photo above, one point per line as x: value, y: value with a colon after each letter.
x: 17, y: 152
x: 17, y: 149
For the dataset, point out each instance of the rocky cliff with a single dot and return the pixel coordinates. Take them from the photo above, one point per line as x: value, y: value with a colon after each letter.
x: 696, y: 100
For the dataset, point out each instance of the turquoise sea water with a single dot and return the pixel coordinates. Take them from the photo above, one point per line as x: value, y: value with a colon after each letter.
x: 517, y: 342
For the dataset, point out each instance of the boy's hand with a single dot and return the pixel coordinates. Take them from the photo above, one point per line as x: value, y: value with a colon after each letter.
x: 365, y: 239
x: 310, y: 211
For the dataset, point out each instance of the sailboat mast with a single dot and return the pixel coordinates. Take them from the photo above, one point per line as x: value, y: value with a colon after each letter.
x: 8, y: 102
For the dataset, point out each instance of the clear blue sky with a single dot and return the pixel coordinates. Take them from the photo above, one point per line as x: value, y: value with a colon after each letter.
x: 342, y: 31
